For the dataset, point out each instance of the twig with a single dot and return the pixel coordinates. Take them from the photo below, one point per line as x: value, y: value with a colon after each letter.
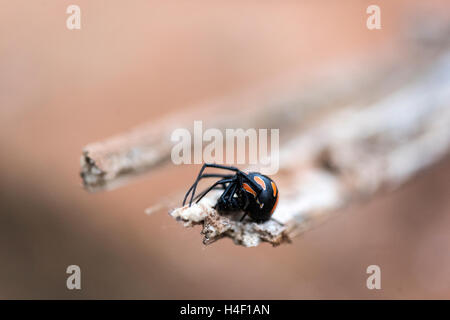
x: 112, y: 162
x: 346, y: 156
x: 344, y: 139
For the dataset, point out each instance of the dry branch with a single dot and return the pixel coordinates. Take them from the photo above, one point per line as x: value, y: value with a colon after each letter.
x: 367, y: 127
x: 347, y: 155
x: 279, y: 103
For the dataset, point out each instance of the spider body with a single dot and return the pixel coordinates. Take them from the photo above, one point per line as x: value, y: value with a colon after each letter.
x: 253, y: 193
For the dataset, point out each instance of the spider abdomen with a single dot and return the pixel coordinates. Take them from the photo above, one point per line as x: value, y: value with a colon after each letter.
x: 253, y: 193
x: 261, y: 206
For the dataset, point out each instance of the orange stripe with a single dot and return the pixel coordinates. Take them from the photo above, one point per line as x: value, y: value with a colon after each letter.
x: 260, y: 182
x: 274, y: 188
x: 249, y: 189
x: 274, y: 206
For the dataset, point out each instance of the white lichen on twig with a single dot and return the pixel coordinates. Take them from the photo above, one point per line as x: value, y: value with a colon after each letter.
x: 216, y: 226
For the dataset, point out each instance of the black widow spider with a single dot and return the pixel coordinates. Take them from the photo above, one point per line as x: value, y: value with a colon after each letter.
x: 253, y: 193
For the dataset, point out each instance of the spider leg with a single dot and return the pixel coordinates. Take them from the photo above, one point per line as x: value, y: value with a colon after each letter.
x: 232, y: 192
x: 245, y: 214
x: 212, y: 187
x: 219, y: 166
x: 247, y: 179
x: 228, y: 195
x: 237, y: 186
x: 277, y: 221
x: 245, y: 206
x: 229, y: 192
x: 215, y: 188
x: 243, y: 174
x: 202, y: 177
x: 227, y: 189
x: 209, y: 165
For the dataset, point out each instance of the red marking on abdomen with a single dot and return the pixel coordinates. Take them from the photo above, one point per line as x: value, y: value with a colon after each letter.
x: 274, y: 188
x: 260, y: 182
x: 274, y: 206
x: 249, y: 189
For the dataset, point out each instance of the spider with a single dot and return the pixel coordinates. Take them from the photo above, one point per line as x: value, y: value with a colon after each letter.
x: 253, y: 193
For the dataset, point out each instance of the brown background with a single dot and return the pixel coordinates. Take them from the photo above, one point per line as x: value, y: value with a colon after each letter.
x: 135, y: 61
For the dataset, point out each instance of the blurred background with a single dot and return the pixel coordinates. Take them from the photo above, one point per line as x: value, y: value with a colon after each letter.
x: 136, y: 61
